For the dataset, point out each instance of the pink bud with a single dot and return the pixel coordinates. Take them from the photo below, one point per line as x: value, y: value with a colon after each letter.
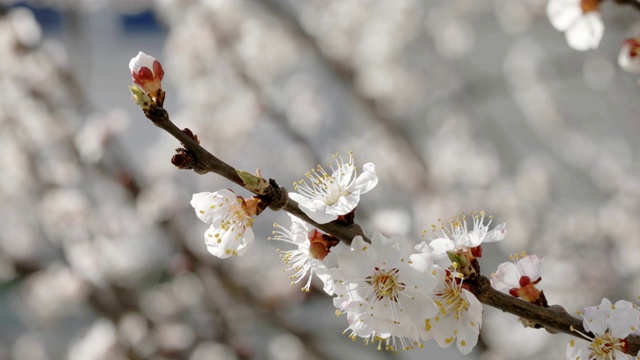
x: 147, y: 73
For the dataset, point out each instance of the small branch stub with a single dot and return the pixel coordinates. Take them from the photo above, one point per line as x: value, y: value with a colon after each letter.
x: 278, y: 196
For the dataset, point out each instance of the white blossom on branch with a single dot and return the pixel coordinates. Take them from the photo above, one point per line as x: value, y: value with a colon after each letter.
x: 330, y: 195
x: 313, y: 246
x: 460, y: 315
x: 230, y: 216
x: 459, y: 237
x: 610, y: 325
x: 519, y: 278
x: 579, y: 19
x: 385, y: 291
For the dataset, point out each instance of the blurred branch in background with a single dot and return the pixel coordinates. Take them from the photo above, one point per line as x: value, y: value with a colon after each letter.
x: 100, y: 251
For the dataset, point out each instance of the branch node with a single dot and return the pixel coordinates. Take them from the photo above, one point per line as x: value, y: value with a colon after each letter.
x: 157, y: 115
x: 277, y: 195
x: 183, y: 159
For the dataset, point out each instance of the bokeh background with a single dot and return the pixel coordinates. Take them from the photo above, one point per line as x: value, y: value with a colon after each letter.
x: 462, y: 105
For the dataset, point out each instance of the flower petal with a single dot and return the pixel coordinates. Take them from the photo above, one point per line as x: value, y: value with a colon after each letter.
x: 563, y: 13
x: 314, y: 209
x: 498, y: 233
x: 324, y: 274
x: 440, y: 247
x: 368, y: 179
x: 506, y: 277
x: 531, y: 266
x: 586, y: 33
x: 141, y: 60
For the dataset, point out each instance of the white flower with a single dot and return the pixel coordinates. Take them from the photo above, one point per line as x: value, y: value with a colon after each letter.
x: 519, y: 279
x: 460, y: 315
x: 230, y: 218
x: 458, y: 236
x: 610, y: 325
x: 313, y: 246
x: 385, y: 291
x: 147, y: 73
x: 579, y: 19
x: 629, y: 57
x: 331, y: 195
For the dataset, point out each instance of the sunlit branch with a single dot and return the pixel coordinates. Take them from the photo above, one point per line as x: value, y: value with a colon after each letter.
x: 206, y: 162
x: 554, y: 319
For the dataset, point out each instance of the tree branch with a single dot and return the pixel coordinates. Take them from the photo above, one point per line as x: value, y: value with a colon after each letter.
x: 554, y: 319
x: 206, y: 162
x: 633, y: 3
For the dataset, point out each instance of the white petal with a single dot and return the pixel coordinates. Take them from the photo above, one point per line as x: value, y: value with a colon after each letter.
x: 531, y: 266
x: 223, y: 244
x: 422, y: 262
x: 393, y: 252
x: 324, y: 274
x: 619, y: 355
x: 442, y: 329
x: 246, y: 242
x: 506, y: 277
x: 216, y: 248
x: 419, y: 274
x: 368, y: 179
x: 314, y: 209
x: 423, y: 247
x: 624, y: 319
x: 586, y: 33
x: 299, y: 229
x: 210, y: 207
x: 344, y: 205
x: 356, y: 264
x: 441, y: 246
x: 577, y: 349
x: 595, y: 317
x: 199, y: 198
x: 498, y: 233
x: 563, y: 13
x: 141, y: 60
x: 469, y: 329
x: 475, y: 307
x: 626, y: 61
x: 473, y: 238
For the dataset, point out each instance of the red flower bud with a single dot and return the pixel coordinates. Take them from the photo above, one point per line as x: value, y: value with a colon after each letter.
x: 147, y: 73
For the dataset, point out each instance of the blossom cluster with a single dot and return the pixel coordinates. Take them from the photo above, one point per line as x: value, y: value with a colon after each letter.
x: 391, y: 292
x: 581, y: 21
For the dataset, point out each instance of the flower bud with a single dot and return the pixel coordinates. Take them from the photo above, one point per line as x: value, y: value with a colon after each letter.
x: 183, y: 159
x: 147, y: 73
x: 629, y: 57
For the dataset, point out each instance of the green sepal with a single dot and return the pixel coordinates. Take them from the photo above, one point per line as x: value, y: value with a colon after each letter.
x: 253, y: 183
x: 140, y: 97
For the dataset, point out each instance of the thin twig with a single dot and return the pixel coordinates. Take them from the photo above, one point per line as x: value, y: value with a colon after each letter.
x: 554, y: 318
x: 633, y: 3
x: 206, y: 162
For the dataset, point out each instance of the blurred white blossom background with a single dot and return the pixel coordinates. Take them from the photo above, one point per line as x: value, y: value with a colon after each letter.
x: 462, y: 105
